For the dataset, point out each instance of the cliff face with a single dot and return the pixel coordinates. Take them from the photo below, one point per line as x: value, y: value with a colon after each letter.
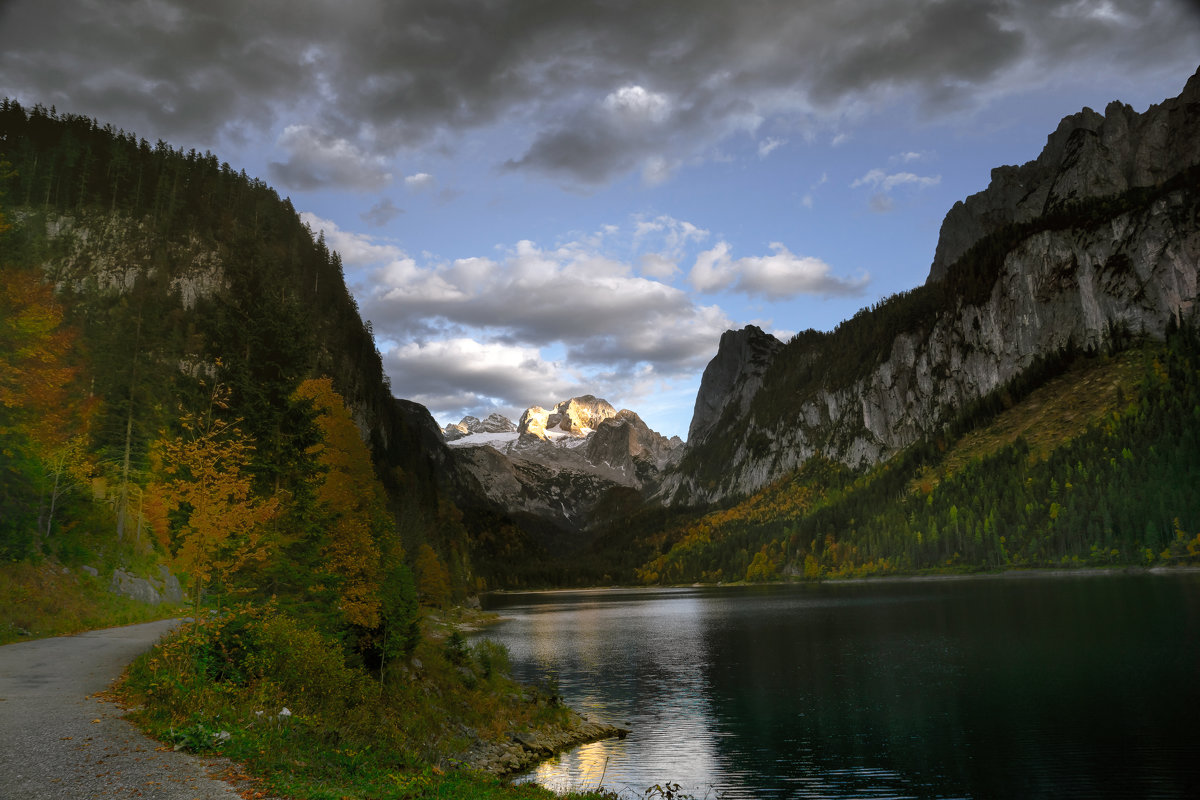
x: 1068, y: 284
x: 731, y: 378
x: 1088, y: 156
x: 560, y: 465
x: 187, y: 281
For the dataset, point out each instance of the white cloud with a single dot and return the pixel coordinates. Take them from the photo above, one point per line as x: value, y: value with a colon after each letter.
x: 657, y: 170
x: 658, y: 266
x: 766, y: 146
x: 455, y: 376
x: 879, y: 179
x: 777, y: 276
x: 356, y: 249
x: 636, y: 105
x: 667, y: 235
x: 419, y: 181
x: 317, y: 160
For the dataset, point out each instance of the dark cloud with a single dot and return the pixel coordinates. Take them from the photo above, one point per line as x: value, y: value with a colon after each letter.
x: 387, y: 74
x: 381, y: 213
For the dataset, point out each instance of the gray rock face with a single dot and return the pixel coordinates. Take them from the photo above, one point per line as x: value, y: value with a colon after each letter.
x: 1137, y: 269
x: 152, y: 591
x: 579, y: 414
x: 627, y: 444
x: 564, y: 462
x: 731, y: 378
x: 495, y: 423
x: 1089, y: 155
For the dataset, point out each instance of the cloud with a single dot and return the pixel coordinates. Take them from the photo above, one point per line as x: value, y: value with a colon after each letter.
x: 592, y: 90
x: 356, y: 249
x: 884, y: 183
x: 474, y: 331
x: 658, y: 266
x: 458, y: 375
x: 778, y: 276
x: 768, y: 145
x: 667, y: 234
x: 881, y: 203
x: 317, y: 160
x: 597, y: 308
x: 878, y: 179
x: 381, y: 213
x: 633, y: 105
x: 419, y: 181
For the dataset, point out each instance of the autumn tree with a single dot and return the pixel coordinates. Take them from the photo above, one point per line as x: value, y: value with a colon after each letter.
x: 216, y: 521
x: 41, y: 411
x: 433, y: 579
x: 352, y: 508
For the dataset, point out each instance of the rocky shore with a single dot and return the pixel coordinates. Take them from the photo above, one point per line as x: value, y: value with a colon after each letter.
x: 525, y: 749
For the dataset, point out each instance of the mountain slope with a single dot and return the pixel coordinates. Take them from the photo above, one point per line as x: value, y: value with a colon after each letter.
x: 195, y: 296
x: 1066, y: 266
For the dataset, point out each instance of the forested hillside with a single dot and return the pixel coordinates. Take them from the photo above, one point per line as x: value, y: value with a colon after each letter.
x: 185, y: 381
x: 1091, y: 459
x: 184, y: 375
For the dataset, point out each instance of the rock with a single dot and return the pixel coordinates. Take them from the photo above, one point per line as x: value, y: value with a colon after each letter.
x: 565, y: 466
x: 95, y: 573
x: 533, y: 422
x: 1061, y: 286
x: 171, y: 591
x: 731, y: 378
x: 526, y: 748
x: 580, y: 414
x: 627, y: 444
x: 151, y: 591
x: 1089, y: 155
x: 496, y: 423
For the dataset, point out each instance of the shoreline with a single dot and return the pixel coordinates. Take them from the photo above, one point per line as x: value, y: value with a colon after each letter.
x: 526, y: 749
x: 1007, y: 574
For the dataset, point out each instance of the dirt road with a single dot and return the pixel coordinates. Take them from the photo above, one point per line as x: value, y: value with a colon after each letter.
x: 58, y: 741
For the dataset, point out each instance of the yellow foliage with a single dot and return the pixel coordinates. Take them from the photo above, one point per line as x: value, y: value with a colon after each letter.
x: 352, y: 497
x: 205, y: 478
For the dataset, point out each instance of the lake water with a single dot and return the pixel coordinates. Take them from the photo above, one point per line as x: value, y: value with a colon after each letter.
x: 1079, y: 686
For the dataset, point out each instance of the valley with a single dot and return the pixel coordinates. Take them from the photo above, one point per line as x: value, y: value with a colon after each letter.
x: 187, y: 383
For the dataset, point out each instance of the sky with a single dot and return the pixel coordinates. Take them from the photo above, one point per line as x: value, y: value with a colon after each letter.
x: 535, y: 199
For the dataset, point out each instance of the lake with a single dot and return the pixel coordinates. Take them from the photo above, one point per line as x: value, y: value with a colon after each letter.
x: 1079, y: 686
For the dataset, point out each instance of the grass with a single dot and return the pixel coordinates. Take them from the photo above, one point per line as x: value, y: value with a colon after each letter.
x: 1050, y: 416
x: 221, y: 684
x: 47, y: 599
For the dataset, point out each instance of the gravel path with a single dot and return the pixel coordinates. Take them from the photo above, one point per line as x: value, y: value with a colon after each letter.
x: 59, y: 741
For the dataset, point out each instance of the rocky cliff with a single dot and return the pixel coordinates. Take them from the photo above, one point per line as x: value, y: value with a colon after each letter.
x: 559, y: 465
x: 495, y: 423
x: 1101, y: 233
x: 1089, y: 155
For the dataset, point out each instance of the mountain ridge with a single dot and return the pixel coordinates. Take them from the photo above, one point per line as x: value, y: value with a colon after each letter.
x: 1089, y: 268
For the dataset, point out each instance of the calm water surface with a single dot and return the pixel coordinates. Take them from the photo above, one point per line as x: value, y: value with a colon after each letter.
x: 1085, y: 686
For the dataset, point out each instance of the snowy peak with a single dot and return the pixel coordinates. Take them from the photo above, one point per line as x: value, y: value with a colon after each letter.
x: 494, y: 424
x: 576, y: 417
x: 561, y: 464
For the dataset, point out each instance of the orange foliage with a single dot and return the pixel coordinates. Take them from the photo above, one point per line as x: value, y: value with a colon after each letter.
x: 35, y: 374
x: 352, y: 497
x: 205, y: 479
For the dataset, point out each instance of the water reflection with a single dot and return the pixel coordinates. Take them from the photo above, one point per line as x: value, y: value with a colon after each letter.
x: 1041, y: 688
x: 635, y: 659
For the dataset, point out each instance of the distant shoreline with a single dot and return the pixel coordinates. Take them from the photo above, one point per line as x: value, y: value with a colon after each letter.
x: 1011, y: 574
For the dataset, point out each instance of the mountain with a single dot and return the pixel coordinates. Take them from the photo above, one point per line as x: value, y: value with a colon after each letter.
x: 1090, y: 245
x: 186, y: 308
x: 558, y: 466
x: 495, y: 423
